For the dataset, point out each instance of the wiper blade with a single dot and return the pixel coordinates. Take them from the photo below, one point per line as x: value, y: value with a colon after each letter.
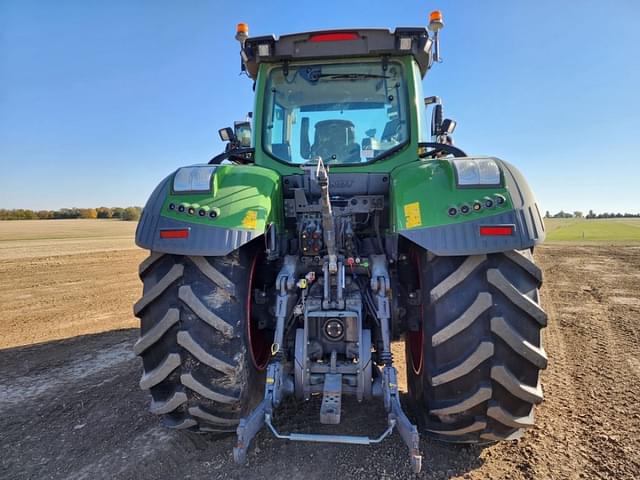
x: 350, y: 76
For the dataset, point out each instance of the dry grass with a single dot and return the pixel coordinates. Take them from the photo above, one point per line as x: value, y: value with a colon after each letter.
x: 582, y: 231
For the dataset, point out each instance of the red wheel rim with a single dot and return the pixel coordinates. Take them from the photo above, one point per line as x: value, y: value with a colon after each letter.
x: 258, y: 342
x: 415, y: 338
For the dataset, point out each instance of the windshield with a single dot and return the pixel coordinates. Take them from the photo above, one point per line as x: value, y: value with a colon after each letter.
x: 344, y: 113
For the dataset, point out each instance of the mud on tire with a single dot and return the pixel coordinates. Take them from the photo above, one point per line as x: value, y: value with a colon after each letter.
x: 473, y: 367
x: 195, y: 340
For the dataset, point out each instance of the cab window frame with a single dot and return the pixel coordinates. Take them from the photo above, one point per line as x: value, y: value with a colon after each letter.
x: 268, y: 109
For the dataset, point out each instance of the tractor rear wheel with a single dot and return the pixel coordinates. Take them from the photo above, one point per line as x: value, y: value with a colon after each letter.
x: 203, y: 356
x: 473, y: 366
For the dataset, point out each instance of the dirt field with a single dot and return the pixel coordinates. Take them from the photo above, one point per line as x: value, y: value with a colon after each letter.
x: 37, y: 238
x: 71, y: 408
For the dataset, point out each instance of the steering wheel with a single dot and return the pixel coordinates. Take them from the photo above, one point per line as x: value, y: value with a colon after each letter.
x: 441, y: 148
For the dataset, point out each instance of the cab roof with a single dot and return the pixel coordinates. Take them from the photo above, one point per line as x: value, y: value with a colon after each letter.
x: 343, y: 43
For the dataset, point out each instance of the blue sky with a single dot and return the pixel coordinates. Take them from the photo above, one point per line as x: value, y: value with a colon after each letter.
x: 100, y: 100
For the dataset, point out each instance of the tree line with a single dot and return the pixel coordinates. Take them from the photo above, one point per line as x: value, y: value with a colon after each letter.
x: 127, y: 213
x: 590, y: 215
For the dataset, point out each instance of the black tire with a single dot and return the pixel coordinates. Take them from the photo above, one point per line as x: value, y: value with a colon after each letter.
x: 473, y: 368
x: 195, y: 340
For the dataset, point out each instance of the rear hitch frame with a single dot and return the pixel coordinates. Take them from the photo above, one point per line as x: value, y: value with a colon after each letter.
x: 275, y: 386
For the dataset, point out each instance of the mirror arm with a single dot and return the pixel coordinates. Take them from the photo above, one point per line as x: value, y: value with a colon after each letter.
x: 236, y: 152
x: 440, y: 147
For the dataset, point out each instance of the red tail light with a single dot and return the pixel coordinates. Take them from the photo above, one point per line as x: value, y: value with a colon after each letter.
x: 333, y: 37
x: 504, y: 230
x: 180, y: 233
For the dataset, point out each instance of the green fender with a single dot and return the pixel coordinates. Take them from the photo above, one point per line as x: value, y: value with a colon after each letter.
x: 244, y: 200
x: 423, y: 194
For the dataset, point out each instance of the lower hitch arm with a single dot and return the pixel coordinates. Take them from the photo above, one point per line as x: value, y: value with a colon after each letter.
x: 274, y: 386
x: 248, y: 429
x: 407, y: 430
x: 252, y: 424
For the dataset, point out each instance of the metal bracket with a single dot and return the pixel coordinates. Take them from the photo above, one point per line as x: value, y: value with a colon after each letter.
x: 331, y: 399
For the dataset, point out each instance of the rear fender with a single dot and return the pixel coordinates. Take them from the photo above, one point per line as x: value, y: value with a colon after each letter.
x: 245, y: 199
x: 424, y: 192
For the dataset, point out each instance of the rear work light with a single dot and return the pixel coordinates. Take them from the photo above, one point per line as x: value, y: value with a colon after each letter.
x: 405, y: 43
x: 264, y: 50
x: 179, y: 233
x: 502, y: 230
x: 334, y: 37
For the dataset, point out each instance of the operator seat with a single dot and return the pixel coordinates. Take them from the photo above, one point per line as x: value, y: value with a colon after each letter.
x: 334, y: 141
x: 391, y: 129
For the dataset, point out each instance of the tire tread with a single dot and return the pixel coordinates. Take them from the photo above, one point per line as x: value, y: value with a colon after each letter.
x: 486, y: 305
x: 194, y: 359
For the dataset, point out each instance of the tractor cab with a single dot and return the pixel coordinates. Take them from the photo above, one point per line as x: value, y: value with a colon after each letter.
x: 342, y: 96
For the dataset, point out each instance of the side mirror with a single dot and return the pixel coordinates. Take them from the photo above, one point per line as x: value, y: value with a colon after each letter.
x: 436, y: 120
x: 226, y: 134
x: 242, y: 133
x: 448, y: 126
x: 305, y: 146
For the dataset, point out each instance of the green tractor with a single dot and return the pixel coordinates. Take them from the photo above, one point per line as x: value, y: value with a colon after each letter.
x: 335, y: 223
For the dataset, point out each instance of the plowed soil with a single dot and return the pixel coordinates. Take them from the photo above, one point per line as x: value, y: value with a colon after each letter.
x: 70, y: 406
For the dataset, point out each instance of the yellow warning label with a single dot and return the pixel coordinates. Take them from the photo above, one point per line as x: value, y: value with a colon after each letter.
x: 412, y: 217
x: 250, y: 219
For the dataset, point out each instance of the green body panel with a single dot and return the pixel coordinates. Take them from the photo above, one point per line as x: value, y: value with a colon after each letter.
x: 244, y: 197
x: 428, y: 187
